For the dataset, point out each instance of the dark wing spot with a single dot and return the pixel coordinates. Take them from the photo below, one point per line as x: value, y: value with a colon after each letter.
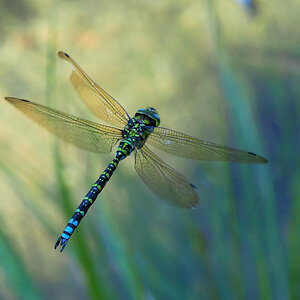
x: 193, y: 186
x: 251, y: 153
x: 13, y: 99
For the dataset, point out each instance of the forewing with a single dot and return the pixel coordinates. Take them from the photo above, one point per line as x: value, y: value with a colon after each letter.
x: 97, y: 100
x: 82, y: 133
x: 164, y: 180
x: 184, y: 145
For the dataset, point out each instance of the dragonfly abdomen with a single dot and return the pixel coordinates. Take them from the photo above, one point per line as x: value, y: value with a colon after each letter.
x: 124, y: 149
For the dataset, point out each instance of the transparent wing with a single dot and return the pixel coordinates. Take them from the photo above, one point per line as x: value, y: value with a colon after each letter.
x: 184, y: 145
x: 163, y: 180
x: 97, y: 100
x: 82, y: 133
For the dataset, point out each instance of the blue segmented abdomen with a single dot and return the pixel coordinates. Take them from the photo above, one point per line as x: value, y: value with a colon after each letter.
x: 125, y: 148
x: 70, y: 228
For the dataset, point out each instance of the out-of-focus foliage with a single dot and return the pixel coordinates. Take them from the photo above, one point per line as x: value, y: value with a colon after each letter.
x: 212, y: 70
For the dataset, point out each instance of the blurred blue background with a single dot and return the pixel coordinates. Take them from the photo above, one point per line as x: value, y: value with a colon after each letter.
x: 212, y: 70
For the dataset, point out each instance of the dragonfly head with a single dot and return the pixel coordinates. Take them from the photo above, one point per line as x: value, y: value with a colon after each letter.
x: 148, y: 115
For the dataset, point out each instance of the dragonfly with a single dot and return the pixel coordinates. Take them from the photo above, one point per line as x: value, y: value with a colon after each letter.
x: 133, y: 135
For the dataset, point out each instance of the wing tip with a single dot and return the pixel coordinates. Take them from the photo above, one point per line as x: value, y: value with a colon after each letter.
x: 259, y: 159
x: 193, y: 204
x: 13, y: 99
x: 63, y: 55
x: 9, y: 98
x: 189, y: 205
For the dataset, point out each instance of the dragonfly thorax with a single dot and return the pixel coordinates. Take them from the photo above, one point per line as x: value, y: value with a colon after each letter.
x: 138, y: 128
x: 136, y: 132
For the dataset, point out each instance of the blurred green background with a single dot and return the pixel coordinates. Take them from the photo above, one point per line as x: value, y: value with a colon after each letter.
x: 213, y: 69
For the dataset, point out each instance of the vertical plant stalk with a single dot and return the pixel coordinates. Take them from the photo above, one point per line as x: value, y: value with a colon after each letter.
x: 272, y: 273
x: 15, y: 270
